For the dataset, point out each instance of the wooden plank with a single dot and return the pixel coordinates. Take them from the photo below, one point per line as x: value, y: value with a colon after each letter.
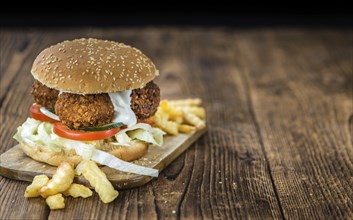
x: 301, y: 89
x: 15, y: 164
x: 236, y: 182
x: 15, y: 206
x: 14, y: 51
x: 14, y: 97
x: 136, y: 203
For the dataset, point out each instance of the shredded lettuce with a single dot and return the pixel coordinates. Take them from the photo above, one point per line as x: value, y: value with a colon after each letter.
x: 28, y: 132
x: 141, y: 131
x: 44, y: 136
x: 37, y: 132
x: 115, y: 163
x: 83, y: 148
x: 34, y: 132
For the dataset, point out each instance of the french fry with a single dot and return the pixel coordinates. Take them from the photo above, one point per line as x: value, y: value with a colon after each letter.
x: 78, y: 190
x: 97, y: 178
x: 163, y: 115
x: 174, y: 114
x: 168, y: 126
x: 38, y: 182
x: 186, y: 102
x: 163, y: 105
x: 194, y: 120
x: 185, y: 128
x: 61, y: 181
x: 171, y: 116
x: 177, y: 119
x: 198, y: 111
x: 55, y: 201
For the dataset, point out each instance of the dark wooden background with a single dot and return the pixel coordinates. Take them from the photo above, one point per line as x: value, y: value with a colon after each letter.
x: 279, y: 113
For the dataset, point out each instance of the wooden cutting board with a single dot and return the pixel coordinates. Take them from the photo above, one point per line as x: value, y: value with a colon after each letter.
x: 16, y: 165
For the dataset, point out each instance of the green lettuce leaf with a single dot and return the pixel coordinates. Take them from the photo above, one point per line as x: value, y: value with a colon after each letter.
x: 34, y: 132
x: 141, y: 131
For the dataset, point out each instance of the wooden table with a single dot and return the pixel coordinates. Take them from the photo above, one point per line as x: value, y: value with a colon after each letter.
x: 280, y: 123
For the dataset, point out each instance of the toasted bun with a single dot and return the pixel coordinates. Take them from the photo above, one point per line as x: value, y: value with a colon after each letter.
x: 46, y: 155
x: 91, y: 66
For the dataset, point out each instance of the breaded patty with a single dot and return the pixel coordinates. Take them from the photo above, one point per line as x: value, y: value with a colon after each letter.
x: 145, y: 101
x: 44, y: 95
x: 80, y: 111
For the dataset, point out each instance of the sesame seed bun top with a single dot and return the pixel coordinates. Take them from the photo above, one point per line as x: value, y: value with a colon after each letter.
x: 90, y: 66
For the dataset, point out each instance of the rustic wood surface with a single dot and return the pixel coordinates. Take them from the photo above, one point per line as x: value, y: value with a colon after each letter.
x: 280, y: 123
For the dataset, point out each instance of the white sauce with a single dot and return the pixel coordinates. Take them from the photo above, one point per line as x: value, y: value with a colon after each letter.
x: 49, y: 113
x: 122, y: 110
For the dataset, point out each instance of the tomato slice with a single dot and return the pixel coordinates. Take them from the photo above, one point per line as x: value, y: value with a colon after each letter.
x: 63, y: 131
x: 37, y: 114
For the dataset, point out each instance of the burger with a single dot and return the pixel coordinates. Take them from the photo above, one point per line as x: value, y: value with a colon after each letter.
x: 93, y: 100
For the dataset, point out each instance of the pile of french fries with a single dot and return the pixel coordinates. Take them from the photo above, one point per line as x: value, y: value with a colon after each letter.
x: 62, y: 184
x: 183, y: 116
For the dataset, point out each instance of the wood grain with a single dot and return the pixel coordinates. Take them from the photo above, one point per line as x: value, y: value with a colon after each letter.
x: 13, y: 204
x: 303, y: 105
x: 279, y: 113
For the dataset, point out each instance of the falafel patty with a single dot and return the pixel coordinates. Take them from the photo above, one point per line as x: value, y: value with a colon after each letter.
x: 80, y: 111
x: 145, y: 101
x: 44, y: 95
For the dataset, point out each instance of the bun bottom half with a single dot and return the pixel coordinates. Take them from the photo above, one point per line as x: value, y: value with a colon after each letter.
x: 44, y: 154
